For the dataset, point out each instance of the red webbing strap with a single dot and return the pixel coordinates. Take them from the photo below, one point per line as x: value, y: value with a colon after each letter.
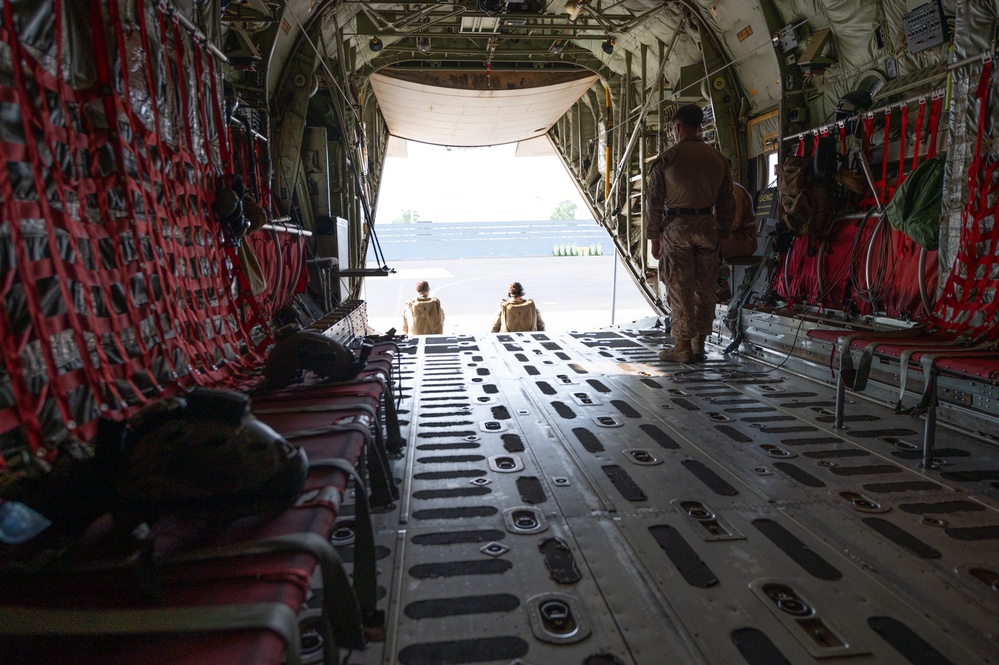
x: 136, y: 224
x: 961, y: 299
x: 233, y: 307
x: 901, y: 145
x: 800, y: 152
x: 884, y: 156
x: 45, y: 328
x: 842, y: 135
x: 260, y: 176
x: 919, y: 132
x: 935, y: 107
x: 868, y: 123
x: 225, y: 149
x: 256, y: 318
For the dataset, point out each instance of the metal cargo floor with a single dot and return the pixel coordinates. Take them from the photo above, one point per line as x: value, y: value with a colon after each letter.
x: 703, y: 514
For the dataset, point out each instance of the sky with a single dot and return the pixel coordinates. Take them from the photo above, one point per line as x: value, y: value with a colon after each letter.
x: 474, y: 185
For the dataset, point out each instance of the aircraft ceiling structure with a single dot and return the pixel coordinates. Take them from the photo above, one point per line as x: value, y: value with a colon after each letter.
x: 764, y: 69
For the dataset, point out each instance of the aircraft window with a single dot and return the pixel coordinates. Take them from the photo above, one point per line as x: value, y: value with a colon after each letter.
x: 771, y: 170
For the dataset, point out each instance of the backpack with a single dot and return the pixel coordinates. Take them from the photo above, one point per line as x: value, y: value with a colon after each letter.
x: 427, y: 315
x: 203, y: 453
x: 519, y: 316
x: 806, y: 201
x: 307, y: 350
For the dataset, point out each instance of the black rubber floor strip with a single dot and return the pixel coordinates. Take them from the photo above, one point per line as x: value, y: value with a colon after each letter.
x: 904, y: 486
x: 448, y: 475
x: 451, y: 492
x: 598, y: 385
x: 838, y: 453
x: 602, y: 659
x: 513, y: 443
x: 941, y: 507
x: 799, y: 552
x: 799, y: 474
x: 660, y: 437
x: 458, y: 537
x: 626, y: 409
x: 715, y: 483
x: 690, y: 566
x: 501, y: 413
x: 805, y: 405
x: 733, y: 434
x: 875, y: 433
x: 464, y: 651
x: 440, y: 435
x: 545, y: 387
x: 902, y: 538
x: 551, y: 346
x: 424, y: 571
x: 854, y: 418
x: 789, y: 395
x: 562, y: 409
x: 559, y: 561
x: 450, y: 459
x: 462, y: 605
x: 756, y: 647
x: 578, y: 369
x: 459, y: 513
x: 812, y: 441
x: 971, y: 476
x: 532, y: 370
x: 490, y: 389
x: 751, y: 409
x: 628, y: 488
x: 562, y: 356
x: 788, y: 430
x: 767, y: 419
x: 651, y: 383
x: 589, y: 440
x: 937, y: 452
x: 686, y: 404
x: 907, y: 642
x: 530, y: 489
x: 974, y: 533
x: 465, y: 445
x: 872, y: 470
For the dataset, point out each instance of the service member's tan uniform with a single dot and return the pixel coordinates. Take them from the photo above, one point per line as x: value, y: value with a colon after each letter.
x: 742, y: 242
x: 518, y: 316
x: 423, y: 316
x: 685, y: 182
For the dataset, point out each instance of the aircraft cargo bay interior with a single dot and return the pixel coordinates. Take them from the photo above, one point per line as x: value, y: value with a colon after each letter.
x: 209, y: 454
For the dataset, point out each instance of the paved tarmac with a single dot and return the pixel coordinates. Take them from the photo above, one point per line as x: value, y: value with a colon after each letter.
x: 572, y: 292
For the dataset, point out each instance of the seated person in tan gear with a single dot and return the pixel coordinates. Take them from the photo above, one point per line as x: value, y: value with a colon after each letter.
x: 742, y: 242
x: 518, y: 314
x: 423, y: 315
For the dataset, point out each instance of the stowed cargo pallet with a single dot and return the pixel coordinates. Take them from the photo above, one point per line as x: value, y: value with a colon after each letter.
x: 572, y: 499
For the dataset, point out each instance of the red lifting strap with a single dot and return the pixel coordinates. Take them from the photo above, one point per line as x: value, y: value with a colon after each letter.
x: 901, y: 145
x: 884, y: 156
x: 868, y: 123
x: 935, y: 108
x: 919, y: 132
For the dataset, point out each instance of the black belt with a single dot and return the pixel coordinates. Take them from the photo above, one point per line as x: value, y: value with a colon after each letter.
x: 686, y: 212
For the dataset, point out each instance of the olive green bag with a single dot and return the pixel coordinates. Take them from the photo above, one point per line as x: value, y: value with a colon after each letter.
x: 915, y: 208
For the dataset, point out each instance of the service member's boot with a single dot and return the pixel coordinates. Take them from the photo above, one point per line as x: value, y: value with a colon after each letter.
x: 697, y: 348
x: 680, y: 353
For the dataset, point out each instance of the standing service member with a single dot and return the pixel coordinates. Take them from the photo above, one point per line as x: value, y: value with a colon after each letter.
x: 690, y: 210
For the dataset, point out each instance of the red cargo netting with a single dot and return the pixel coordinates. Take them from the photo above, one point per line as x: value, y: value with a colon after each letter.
x: 117, y: 285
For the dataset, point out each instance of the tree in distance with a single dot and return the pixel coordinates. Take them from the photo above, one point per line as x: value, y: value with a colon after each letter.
x: 566, y: 209
x: 406, y: 217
